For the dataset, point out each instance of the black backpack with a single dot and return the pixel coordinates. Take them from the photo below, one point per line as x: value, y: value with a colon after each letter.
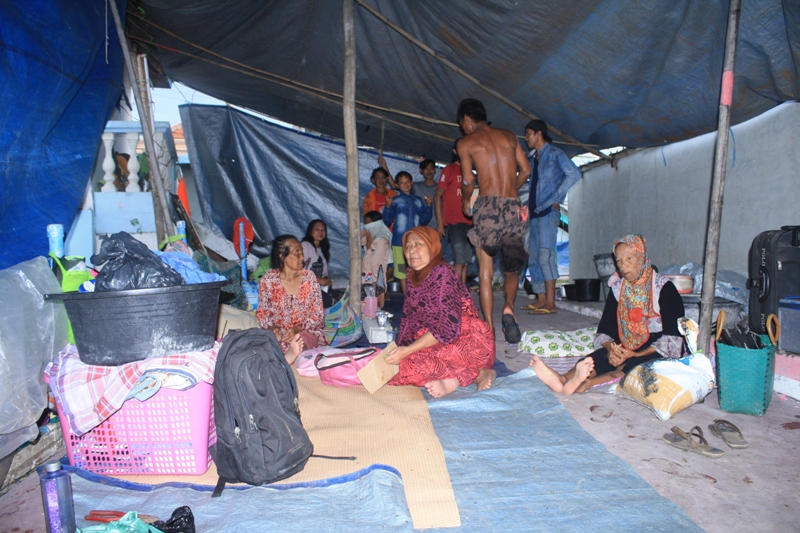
x: 260, y: 438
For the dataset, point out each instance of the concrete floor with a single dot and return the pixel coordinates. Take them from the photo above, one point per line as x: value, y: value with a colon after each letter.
x: 756, y: 489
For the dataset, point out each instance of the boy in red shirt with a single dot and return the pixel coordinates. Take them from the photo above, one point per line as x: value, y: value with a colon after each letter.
x: 449, y: 215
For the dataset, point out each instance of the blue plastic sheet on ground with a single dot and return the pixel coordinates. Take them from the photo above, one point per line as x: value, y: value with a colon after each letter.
x: 518, y: 462
x: 371, y: 499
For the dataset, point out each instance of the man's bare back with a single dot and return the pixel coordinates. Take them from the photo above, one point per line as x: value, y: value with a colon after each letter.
x: 495, y: 155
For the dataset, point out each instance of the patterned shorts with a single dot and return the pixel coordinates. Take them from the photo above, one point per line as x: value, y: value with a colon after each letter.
x: 499, y: 226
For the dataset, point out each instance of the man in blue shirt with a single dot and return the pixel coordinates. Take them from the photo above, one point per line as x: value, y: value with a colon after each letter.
x: 552, y: 175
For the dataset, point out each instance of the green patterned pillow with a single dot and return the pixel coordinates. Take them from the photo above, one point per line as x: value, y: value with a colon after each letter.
x: 554, y: 343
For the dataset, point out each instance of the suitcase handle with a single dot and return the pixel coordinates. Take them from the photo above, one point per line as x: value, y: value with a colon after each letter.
x: 795, y: 234
x: 773, y: 329
x: 764, y: 284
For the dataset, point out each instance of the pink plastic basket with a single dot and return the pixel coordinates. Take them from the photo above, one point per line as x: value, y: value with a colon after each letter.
x: 170, y: 433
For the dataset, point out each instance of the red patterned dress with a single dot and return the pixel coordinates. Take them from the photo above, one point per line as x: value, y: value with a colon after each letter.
x: 276, y: 307
x: 443, y: 306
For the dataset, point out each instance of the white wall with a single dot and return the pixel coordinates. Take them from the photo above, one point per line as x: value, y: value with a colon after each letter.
x: 663, y: 193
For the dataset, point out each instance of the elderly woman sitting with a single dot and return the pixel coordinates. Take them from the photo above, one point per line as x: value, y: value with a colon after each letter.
x: 289, y: 300
x: 639, y: 323
x: 442, y: 342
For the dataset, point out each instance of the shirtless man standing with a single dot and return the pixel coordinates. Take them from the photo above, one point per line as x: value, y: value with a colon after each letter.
x: 498, y: 217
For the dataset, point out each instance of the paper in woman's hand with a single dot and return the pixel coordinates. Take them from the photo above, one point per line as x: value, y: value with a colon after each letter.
x: 378, y: 372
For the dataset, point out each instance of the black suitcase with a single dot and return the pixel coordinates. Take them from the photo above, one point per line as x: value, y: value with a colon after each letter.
x: 773, y: 273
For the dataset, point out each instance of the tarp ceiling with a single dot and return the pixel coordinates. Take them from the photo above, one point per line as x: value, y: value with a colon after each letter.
x: 609, y: 73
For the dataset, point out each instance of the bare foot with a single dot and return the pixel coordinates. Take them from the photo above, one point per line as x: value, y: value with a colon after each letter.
x: 295, y: 347
x: 549, y: 377
x: 442, y: 387
x: 485, y: 378
x: 582, y: 371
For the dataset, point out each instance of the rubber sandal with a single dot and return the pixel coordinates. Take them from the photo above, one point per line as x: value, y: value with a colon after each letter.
x: 686, y: 442
x: 541, y: 311
x: 511, y: 329
x: 529, y: 307
x: 729, y: 433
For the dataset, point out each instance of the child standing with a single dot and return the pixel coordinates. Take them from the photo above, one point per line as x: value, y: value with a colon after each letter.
x: 427, y: 188
x: 377, y: 198
x: 405, y: 211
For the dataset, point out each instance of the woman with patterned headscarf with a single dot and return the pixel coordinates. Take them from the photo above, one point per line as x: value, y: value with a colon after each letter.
x: 639, y: 323
x: 442, y: 343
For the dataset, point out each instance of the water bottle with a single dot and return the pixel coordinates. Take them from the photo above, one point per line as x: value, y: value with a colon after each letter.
x: 59, y: 510
x: 180, y: 227
x: 55, y: 237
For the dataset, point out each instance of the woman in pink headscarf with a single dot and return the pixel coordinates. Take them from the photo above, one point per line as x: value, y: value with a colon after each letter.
x: 639, y: 323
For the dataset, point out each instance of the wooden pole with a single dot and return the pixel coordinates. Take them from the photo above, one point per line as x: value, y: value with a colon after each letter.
x: 146, y: 116
x: 449, y: 64
x: 718, y: 180
x: 149, y: 141
x: 351, y: 149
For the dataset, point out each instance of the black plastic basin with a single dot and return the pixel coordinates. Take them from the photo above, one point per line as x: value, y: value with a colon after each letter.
x: 117, y: 327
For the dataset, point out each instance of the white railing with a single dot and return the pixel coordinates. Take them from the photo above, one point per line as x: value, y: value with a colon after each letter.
x: 127, y: 133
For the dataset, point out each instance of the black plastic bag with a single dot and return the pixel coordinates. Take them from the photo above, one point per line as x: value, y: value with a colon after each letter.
x: 129, y: 264
x: 181, y: 521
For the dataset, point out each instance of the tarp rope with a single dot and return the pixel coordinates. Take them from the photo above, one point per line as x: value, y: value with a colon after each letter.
x: 513, y: 105
x: 266, y: 76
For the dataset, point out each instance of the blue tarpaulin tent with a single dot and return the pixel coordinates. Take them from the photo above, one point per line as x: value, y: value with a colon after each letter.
x: 607, y: 73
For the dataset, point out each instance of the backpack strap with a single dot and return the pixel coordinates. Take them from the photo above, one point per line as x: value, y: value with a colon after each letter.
x: 218, y: 489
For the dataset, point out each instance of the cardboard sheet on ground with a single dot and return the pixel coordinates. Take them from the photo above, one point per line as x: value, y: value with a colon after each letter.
x: 507, y: 451
x: 378, y: 372
x: 391, y: 427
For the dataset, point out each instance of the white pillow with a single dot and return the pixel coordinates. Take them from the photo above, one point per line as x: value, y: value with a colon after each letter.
x: 554, y: 343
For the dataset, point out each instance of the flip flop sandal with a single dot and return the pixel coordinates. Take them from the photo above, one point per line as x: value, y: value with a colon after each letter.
x: 529, y: 307
x: 541, y: 311
x: 729, y: 433
x: 511, y: 329
x: 686, y: 442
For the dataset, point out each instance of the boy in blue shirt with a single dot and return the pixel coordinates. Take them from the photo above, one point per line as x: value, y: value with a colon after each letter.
x: 405, y: 211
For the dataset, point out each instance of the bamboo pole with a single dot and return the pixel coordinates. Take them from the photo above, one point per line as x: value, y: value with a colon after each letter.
x: 351, y: 149
x: 449, y: 64
x: 145, y: 115
x: 149, y: 141
x: 718, y: 180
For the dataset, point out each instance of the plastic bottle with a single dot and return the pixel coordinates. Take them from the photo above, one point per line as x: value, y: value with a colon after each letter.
x: 370, y: 302
x: 55, y: 238
x: 180, y: 228
x: 59, y: 510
